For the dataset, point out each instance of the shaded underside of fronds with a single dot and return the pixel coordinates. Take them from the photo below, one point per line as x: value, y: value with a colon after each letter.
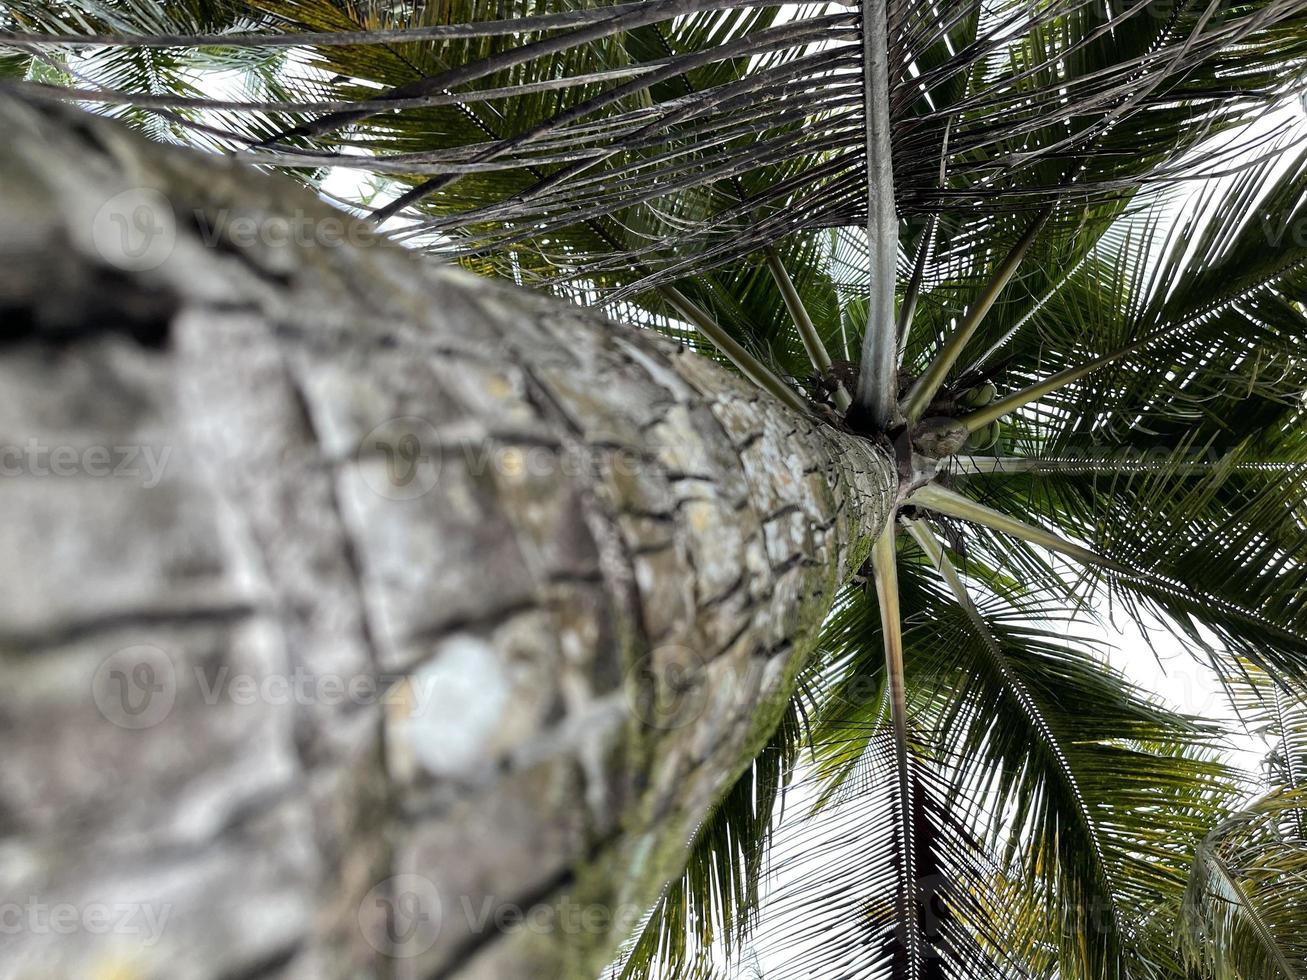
x: 589, y: 141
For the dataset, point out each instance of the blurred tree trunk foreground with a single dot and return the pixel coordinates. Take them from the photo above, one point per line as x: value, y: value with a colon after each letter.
x: 363, y: 617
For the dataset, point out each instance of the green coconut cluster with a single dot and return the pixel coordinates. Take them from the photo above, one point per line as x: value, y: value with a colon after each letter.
x: 985, y: 438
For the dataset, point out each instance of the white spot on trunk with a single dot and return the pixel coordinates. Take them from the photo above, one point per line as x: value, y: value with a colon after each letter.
x: 459, y: 700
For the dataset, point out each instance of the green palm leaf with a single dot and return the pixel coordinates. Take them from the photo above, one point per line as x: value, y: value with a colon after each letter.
x: 1244, y: 909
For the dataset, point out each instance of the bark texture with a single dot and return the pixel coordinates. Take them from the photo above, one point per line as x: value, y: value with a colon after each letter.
x: 358, y: 617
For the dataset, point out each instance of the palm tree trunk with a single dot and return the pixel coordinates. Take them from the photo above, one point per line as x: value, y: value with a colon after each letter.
x: 361, y: 617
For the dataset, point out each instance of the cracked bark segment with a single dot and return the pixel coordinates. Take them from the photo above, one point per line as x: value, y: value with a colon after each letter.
x: 86, y: 441
x: 143, y: 773
x: 499, y: 824
x: 523, y: 525
x: 413, y: 553
x: 246, y: 901
x: 76, y: 768
x: 546, y: 512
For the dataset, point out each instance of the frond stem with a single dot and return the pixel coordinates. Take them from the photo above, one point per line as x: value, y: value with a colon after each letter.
x: 1005, y: 406
x: 1014, y: 465
x: 884, y: 563
x: 749, y: 366
x: 1259, y: 926
x: 877, y: 393
x: 923, y: 391
x: 947, y: 502
x: 804, y: 326
x: 913, y: 291
x: 934, y: 551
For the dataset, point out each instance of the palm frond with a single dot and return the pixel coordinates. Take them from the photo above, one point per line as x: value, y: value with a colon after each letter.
x: 715, y: 901
x: 557, y: 119
x: 1246, y: 905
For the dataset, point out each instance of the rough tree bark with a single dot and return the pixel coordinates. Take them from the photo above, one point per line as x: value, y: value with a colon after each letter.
x: 352, y: 604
